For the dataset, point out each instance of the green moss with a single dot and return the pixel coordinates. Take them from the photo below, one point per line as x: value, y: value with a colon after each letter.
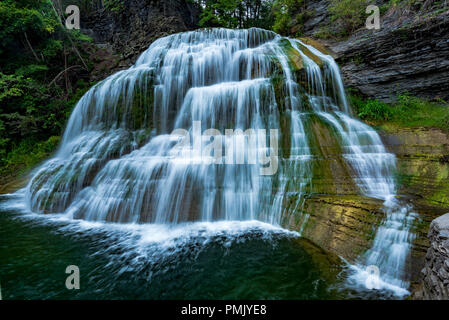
x: 277, y: 80
x: 114, y: 5
x: 403, y: 179
x: 441, y: 196
x: 134, y: 108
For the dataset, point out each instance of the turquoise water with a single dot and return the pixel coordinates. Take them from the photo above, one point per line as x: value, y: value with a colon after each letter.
x: 223, y: 260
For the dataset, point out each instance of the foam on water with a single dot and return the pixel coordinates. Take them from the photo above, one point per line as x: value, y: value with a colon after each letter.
x: 152, y: 242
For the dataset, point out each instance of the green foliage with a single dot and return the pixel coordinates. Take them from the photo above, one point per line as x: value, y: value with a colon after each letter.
x: 284, y: 11
x: 407, y: 111
x: 235, y: 13
x: 413, y: 111
x: 21, y: 17
x: 220, y: 13
x: 373, y: 110
x: 41, y: 64
x: 114, y: 5
x: 349, y: 15
x: 26, y: 154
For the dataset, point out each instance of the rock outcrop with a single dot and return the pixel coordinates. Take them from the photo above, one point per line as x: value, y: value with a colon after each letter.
x: 317, y: 16
x: 398, y: 59
x: 423, y: 168
x: 435, y: 284
x: 122, y: 34
x: 409, y: 53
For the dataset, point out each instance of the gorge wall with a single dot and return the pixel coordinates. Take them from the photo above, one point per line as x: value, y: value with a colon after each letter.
x: 410, y: 52
x: 412, y: 58
x: 121, y: 34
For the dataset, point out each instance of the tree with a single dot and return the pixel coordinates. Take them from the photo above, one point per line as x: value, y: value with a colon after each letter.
x: 40, y: 69
x: 235, y: 13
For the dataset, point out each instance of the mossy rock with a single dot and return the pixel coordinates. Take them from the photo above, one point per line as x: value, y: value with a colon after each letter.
x: 328, y: 263
x: 343, y: 225
x: 14, y: 185
x: 295, y: 59
x: 309, y: 54
x: 317, y: 45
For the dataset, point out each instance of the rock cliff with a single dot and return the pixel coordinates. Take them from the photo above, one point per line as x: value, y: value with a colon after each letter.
x: 121, y: 34
x: 410, y: 52
x: 411, y: 58
x: 435, y: 284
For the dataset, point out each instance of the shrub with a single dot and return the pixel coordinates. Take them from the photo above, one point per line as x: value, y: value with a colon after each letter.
x: 25, y: 155
x: 348, y: 14
x: 407, y: 111
x: 284, y: 11
x: 375, y: 110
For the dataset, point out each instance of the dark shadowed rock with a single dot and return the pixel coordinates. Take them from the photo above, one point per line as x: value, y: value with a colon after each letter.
x: 122, y: 35
x: 410, y: 52
x: 390, y: 62
x: 435, y: 284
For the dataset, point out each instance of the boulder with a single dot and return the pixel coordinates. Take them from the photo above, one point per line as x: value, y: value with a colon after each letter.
x: 435, y: 283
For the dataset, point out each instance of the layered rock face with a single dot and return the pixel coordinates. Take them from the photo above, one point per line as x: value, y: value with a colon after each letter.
x: 409, y: 53
x: 123, y: 33
x: 317, y: 15
x: 435, y: 284
x: 423, y: 168
x: 398, y: 59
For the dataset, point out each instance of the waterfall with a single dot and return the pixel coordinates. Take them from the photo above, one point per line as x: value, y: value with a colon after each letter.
x: 162, y: 141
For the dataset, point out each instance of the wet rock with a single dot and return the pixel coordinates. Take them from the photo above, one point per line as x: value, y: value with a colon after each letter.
x: 435, y: 283
x: 344, y: 225
x: 423, y: 180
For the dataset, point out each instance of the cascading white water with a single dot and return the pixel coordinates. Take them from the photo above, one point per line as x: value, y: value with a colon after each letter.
x: 118, y: 161
x: 373, y: 170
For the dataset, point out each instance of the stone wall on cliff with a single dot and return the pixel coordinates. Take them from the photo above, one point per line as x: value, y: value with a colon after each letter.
x: 435, y: 283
